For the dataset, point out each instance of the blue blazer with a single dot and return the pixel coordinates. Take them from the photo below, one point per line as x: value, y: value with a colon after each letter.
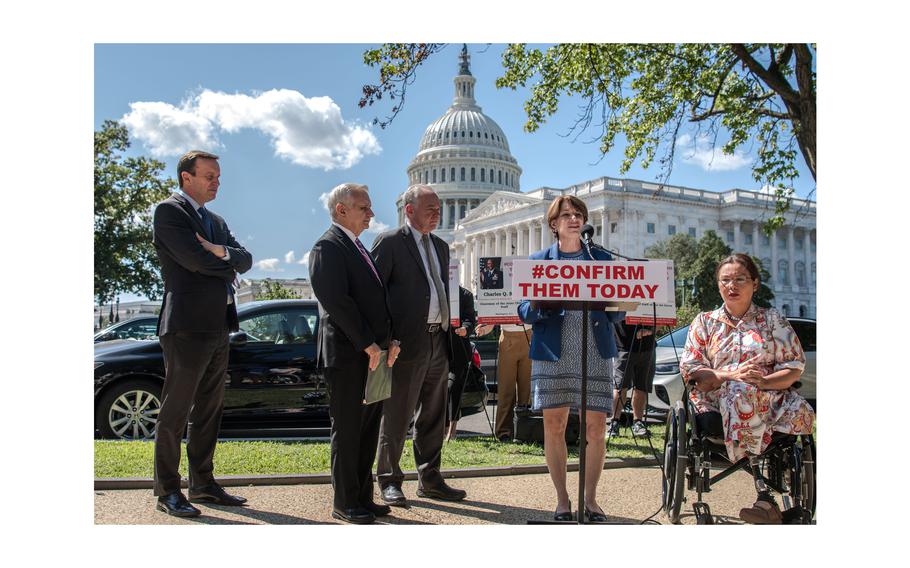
x: 546, y: 341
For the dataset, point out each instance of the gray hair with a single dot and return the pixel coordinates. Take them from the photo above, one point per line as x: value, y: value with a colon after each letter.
x: 413, y: 192
x: 342, y: 194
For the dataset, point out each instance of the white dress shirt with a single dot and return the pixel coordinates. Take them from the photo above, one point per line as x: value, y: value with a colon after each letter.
x: 433, y: 316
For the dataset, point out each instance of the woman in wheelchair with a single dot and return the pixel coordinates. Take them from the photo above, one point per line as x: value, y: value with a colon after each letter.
x: 744, y: 360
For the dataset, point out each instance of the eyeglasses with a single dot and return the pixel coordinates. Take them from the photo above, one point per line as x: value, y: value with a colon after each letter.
x: 568, y: 216
x: 739, y: 281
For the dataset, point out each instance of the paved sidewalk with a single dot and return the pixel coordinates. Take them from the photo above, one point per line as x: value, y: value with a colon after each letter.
x: 627, y: 495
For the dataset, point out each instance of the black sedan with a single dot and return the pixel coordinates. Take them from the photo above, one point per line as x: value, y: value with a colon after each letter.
x: 272, y: 386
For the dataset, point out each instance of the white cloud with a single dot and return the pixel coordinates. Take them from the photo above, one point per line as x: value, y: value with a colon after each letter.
x: 308, y: 132
x: 709, y: 158
x: 305, y: 259
x: 167, y: 130
x: 377, y: 226
x: 289, y: 257
x: 268, y: 265
x: 324, y: 199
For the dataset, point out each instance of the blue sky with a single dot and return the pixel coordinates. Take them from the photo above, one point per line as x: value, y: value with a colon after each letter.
x: 285, y: 121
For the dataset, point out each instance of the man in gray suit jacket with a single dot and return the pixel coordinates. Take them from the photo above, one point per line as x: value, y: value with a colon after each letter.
x: 414, y: 265
x: 199, y: 261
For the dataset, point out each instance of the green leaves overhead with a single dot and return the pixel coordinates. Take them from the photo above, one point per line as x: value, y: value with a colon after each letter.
x: 762, y: 96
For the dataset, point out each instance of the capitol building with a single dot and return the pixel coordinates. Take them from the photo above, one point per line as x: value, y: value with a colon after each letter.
x: 464, y: 156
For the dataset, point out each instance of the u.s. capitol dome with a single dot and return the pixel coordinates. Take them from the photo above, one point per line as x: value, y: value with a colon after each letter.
x: 463, y: 155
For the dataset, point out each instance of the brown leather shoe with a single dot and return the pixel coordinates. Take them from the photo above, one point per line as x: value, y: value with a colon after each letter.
x: 762, y: 513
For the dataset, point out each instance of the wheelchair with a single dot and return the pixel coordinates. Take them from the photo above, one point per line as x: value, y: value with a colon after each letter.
x: 694, y: 447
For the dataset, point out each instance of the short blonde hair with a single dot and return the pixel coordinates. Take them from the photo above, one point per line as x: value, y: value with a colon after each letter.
x: 553, y: 209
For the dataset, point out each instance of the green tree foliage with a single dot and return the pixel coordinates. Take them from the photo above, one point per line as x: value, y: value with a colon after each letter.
x: 682, y: 250
x: 275, y: 291
x: 685, y: 315
x: 711, y: 250
x: 126, y: 190
x: 763, y: 95
x: 764, y: 295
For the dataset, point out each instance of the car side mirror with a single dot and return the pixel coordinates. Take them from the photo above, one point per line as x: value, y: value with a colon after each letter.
x: 238, y: 339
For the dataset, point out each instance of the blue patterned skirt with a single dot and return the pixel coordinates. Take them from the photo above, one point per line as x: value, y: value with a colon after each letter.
x: 557, y: 384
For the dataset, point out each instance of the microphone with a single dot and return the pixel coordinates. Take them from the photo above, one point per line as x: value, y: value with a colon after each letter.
x: 587, y: 231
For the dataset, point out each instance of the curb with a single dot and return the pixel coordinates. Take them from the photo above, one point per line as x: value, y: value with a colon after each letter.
x: 322, y: 478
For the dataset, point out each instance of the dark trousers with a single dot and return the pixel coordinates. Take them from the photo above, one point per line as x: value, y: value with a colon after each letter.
x: 355, y: 431
x: 195, y: 366
x: 418, y: 385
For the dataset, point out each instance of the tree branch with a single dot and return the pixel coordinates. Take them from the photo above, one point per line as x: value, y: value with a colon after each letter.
x: 771, y: 78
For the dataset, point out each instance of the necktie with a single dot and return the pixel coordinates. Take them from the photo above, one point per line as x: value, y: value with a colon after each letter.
x: 366, y: 259
x: 206, y: 222
x: 437, y: 282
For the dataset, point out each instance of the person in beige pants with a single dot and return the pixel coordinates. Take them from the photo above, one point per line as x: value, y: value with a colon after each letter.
x: 513, y: 375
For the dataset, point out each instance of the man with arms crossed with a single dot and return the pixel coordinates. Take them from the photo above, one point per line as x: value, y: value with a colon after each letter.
x: 354, y: 326
x: 199, y: 260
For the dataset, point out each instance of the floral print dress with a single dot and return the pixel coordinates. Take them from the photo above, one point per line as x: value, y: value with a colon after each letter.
x: 750, y: 415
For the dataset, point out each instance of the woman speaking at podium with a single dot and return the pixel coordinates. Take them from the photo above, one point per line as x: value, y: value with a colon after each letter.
x: 556, y: 362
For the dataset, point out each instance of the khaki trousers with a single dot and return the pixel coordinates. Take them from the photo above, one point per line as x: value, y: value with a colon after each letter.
x: 514, y: 376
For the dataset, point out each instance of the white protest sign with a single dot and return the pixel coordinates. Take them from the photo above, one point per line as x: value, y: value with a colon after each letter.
x: 665, y: 312
x: 454, y: 296
x: 598, y: 281
x: 494, y: 300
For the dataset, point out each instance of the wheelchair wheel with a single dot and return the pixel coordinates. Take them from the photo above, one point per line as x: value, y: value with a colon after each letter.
x: 675, y: 459
x: 803, y: 471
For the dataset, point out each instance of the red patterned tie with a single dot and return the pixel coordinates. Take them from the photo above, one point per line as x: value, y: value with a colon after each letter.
x: 367, y: 259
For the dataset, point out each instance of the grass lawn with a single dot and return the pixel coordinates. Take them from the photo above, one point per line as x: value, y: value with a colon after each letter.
x: 134, y: 459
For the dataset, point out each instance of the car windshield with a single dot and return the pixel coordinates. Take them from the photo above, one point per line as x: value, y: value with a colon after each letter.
x: 677, y: 338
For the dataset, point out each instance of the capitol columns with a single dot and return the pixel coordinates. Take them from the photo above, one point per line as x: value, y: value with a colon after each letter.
x: 807, y: 251
x: 791, y: 254
x: 508, y: 251
x: 521, y: 239
x: 755, y: 241
x: 775, y: 272
x: 445, y: 213
x: 737, y: 237
x: 544, y: 234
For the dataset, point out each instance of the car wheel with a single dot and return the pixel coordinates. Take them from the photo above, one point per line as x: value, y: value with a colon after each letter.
x: 129, y: 410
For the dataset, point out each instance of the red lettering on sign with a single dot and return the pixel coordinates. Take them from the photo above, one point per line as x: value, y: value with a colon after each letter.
x: 637, y: 292
x: 540, y: 289
x: 598, y: 271
x: 566, y: 271
x: 608, y: 290
x: 636, y: 273
x: 619, y: 272
x: 623, y: 291
x: 552, y: 271
x: 524, y: 287
x: 571, y: 290
x: 583, y: 271
x: 651, y: 289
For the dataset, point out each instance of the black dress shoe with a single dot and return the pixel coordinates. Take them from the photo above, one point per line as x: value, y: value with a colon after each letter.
x: 377, y: 509
x: 175, y: 504
x: 214, y: 493
x: 592, y: 517
x: 443, y: 492
x: 357, y: 515
x: 393, y: 496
